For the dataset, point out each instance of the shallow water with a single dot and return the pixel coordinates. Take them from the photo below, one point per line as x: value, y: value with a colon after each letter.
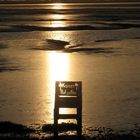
x: 109, y: 73
x: 110, y: 81
x: 118, y: 15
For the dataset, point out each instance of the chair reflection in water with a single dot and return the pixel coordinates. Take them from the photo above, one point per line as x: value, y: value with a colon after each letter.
x: 68, y: 95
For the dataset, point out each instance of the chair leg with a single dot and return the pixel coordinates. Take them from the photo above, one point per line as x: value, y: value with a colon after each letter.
x: 55, y: 134
x: 56, y: 128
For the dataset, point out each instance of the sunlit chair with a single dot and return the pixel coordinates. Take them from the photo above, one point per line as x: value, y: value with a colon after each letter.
x: 68, y: 95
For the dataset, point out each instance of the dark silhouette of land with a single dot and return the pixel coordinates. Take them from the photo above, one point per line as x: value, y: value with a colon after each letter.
x: 13, y: 131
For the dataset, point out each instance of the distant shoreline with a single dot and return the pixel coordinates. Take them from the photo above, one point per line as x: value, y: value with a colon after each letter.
x: 134, y: 3
x: 44, y: 2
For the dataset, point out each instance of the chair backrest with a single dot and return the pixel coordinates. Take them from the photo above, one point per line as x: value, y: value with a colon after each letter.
x: 68, y: 88
x: 68, y: 94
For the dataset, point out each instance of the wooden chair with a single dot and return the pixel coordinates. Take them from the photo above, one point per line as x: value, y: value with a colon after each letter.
x: 68, y: 95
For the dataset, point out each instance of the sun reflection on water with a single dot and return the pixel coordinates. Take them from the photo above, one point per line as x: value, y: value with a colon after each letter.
x: 56, y: 20
x: 57, y: 24
x: 58, y: 66
x: 57, y: 16
x: 58, y: 69
x: 58, y: 6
